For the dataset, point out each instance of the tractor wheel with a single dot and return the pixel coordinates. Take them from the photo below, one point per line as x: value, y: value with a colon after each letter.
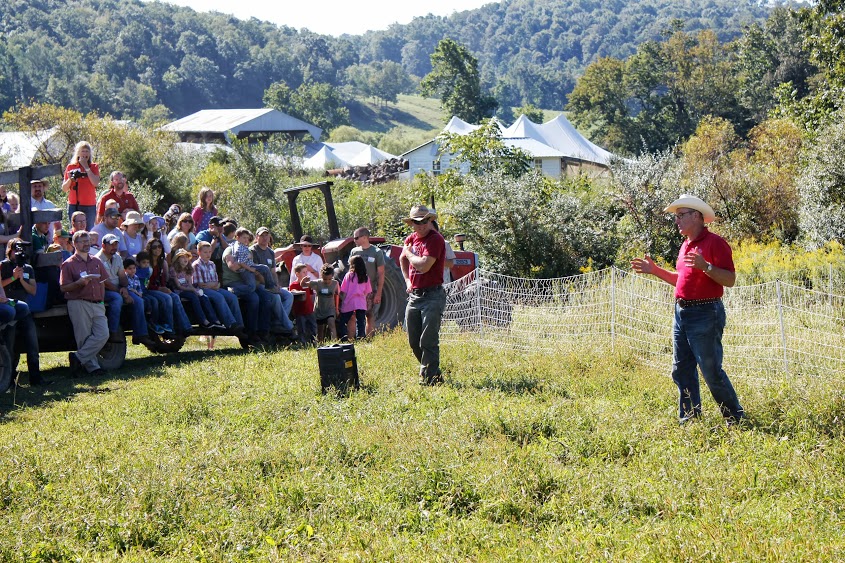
x: 164, y: 345
x: 6, y: 371
x: 393, y: 297
x: 112, y: 355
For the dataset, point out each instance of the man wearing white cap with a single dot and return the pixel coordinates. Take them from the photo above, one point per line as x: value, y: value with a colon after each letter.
x: 422, y: 262
x: 704, y: 268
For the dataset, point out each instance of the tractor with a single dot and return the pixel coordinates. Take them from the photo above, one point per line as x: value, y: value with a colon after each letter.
x: 336, y: 251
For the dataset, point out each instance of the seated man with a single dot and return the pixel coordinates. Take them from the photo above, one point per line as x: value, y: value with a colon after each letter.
x: 264, y: 255
x: 256, y: 300
x: 110, y: 226
x: 80, y: 282
x: 117, y: 294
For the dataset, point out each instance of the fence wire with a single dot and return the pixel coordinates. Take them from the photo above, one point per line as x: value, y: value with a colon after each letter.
x: 775, y: 329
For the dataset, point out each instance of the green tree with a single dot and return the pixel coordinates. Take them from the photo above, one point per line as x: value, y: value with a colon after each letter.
x: 455, y: 80
x: 532, y: 227
x: 484, y: 150
x: 533, y: 113
x: 318, y: 103
x: 321, y: 104
x: 657, y: 96
x: 821, y: 185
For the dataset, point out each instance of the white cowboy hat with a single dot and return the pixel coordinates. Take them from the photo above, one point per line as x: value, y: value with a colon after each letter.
x: 692, y: 202
x: 420, y: 213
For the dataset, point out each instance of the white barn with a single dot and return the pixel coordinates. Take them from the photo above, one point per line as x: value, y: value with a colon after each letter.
x: 556, y: 147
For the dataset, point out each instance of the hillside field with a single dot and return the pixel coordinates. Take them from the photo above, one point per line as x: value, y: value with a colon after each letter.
x: 574, y: 455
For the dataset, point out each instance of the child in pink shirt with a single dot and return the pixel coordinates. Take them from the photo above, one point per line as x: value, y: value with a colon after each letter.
x: 353, y: 298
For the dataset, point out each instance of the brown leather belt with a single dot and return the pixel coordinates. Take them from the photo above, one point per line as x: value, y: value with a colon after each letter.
x: 684, y: 303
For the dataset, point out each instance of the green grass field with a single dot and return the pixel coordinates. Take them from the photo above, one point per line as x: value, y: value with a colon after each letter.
x: 413, y: 113
x: 574, y: 455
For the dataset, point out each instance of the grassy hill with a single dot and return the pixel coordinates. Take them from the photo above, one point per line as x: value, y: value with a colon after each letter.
x: 569, y: 456
x: 413, y: 113
x: 410, y: 122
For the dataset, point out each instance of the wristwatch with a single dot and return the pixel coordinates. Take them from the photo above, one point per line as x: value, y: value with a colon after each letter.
x: 709, y: 268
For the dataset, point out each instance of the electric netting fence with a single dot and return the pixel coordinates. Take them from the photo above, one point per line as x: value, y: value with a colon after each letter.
x: 775, y: 329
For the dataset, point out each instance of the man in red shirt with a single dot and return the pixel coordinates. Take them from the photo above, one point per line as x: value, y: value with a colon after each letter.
x: 422, y: 262
x: 81, y: 280
x: 703, y: 269
x: 119, y: 193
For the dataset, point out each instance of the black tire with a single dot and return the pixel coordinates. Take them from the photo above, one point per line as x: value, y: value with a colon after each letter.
x: 164, y: 345
x: 6, y: 371
x: 394, y: 298
x: 112, y: 355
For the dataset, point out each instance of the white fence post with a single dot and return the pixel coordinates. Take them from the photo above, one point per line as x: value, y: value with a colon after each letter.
x: 613, y: 309
x: 782, y: 330
x: 830, y: 285
x: 480, y: 287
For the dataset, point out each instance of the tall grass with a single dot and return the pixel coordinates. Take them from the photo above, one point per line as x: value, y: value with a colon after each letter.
x: 572, y: 455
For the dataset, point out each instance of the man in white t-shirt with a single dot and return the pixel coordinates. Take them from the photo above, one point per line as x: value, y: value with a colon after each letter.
x: 308, y: 257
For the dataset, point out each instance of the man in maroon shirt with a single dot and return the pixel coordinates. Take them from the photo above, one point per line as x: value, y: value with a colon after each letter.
x: 704, y: 268
x: 422, y: 262
x: 118, y: 192
x: 81, y: 281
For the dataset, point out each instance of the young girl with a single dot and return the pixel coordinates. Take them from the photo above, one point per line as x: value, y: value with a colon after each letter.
x: 204, y: 210
x: 353, y: 298
x: 183, y: 283
x: 325, y: 311
x: 178, y: 242
x: 171, y: 305
x: 162, y: 323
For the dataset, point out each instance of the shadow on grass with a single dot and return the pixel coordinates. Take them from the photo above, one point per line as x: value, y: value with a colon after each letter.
x: 520, y: 385
x: 385, y: 119
x: 61, y: 386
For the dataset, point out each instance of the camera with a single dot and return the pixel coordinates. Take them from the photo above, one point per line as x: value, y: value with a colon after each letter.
x: 21, y: 255
x: 77, y: 173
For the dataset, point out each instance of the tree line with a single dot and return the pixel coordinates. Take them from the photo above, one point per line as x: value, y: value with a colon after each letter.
x: 151, y: 61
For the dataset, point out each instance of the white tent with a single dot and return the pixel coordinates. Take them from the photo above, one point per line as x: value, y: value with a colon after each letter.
x: 324, y: 158
x: 560, y: 134
x: 370, y: 155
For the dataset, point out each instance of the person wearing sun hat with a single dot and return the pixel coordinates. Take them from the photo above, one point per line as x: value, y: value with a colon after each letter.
x: 703, y: 269
x: 311, y: 259
x: 132, y: 236
x: 422, y: 259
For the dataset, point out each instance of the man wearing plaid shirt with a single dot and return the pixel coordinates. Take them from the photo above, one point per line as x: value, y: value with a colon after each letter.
x: 225, y: 302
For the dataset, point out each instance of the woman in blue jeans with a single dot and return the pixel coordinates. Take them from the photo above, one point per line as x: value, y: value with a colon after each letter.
x: 157, y: 283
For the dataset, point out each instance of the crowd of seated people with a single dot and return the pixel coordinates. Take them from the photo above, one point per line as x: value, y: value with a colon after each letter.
x: 161, y: 271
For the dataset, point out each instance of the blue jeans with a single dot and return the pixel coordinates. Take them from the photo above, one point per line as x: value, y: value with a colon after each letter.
x: 697, y: 334
x: 251, y: 302
x: 161, y: 308
x: 269, y: 276
x: 114, y: 305
x: 201, y: 305
x: 282, y: 303
x: 306, y: 326
x: 180, y: 317
x: 90, y: 213
x: 225, y: 305
x: 422, y: 319
x: 26, y: 326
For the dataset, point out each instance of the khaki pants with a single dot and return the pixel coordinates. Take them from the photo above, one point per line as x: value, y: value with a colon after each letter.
x: 90, y: 329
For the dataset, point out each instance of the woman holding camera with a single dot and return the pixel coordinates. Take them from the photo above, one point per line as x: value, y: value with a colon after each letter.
x: 80, y: 183
x: 18, y: 282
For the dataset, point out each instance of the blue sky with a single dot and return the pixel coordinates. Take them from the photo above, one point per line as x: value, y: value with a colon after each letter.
x: 332, y: 17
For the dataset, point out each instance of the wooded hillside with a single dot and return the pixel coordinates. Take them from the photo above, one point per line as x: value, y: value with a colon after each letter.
x: 145, y: 59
